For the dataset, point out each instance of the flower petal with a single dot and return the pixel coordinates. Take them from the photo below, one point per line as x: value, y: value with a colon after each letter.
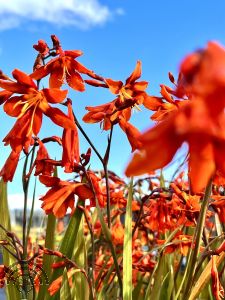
x: 59, y: 118
x: 136, y: 73
x: 55, y: 95
x: 114, y: 85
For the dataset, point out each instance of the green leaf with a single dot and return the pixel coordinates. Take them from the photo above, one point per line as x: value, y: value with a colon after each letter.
x: 68, y: 243
x: 11, y: 292
x: 127, y: 248
x: 81, y: 289
x: 65, y: 293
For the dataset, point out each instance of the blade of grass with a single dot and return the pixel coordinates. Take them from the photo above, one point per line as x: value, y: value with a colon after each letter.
x: 127, y: 248
x: 11, y: 292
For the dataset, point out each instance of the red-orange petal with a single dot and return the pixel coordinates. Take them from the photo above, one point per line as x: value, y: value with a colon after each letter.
x: 23, y: 78
x: 55, y: 95
x: 136, y: 73
x: 59, y: 118
x: 114, y: 86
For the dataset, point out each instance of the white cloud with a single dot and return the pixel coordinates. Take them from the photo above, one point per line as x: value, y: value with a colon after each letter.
x: 16, y: 201
x: 80, y: 13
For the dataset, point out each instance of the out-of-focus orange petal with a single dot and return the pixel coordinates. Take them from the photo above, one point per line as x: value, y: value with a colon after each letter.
x: 159, y: 146
x: 201, y: 163
x: 83, y: 192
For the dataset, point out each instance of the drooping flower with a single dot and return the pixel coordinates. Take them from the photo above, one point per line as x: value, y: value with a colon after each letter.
x: 70, y: 144
x: 62, y: 195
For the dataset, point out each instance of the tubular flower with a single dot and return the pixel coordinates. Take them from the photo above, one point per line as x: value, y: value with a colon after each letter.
x: 43, y: 163
x: 64, y: 68
x: 131, y: 94
x: 9, y: 168
x: 61, y: 195
x: 132, y: 134
x: 70, y: 144
x: 29, y: 108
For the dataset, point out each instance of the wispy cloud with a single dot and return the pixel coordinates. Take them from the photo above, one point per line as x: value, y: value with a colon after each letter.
x: 80, y: 13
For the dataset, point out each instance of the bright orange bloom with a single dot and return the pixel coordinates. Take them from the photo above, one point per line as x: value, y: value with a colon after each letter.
x: 70, y: 144
x: 29, y: 108
x: 61, y: 195
x: 130, y: 94
x: 64, y: 67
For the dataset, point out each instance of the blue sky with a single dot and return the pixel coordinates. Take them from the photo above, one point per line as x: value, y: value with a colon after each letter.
x: 113, y: 35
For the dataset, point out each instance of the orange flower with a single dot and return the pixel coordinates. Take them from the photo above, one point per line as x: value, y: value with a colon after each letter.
x: 64, y: 67
x: 61, y: 195
x: 70, y: 144
x: 130, y: 94
x: 29, y: 108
